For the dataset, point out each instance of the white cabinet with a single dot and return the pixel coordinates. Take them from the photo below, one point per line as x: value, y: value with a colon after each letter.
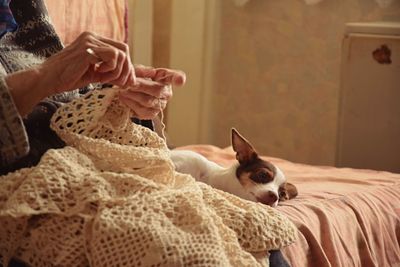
x: 369, y: 110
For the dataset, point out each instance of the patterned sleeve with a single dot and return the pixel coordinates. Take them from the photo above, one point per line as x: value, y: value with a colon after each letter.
x: 7, y: 21
x: 13, y: 138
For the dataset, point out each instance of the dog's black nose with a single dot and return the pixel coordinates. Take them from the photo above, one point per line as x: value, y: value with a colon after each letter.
x: 268, y: 198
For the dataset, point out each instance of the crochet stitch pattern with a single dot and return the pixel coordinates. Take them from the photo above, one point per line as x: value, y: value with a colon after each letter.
x: 111, y: 198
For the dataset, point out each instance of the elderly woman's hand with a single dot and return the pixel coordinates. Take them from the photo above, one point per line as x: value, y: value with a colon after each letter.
x: 109, y: 62
x: 75, y: 67
x: 92, y: 58
x: 71, y: 68
x: 152, y: 90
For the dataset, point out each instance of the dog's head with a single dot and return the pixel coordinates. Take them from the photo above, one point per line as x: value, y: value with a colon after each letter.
x: 265, y: 181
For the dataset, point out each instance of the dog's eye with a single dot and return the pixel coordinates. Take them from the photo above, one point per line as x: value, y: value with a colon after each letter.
x: 282, y: 194
x: 261, y: 176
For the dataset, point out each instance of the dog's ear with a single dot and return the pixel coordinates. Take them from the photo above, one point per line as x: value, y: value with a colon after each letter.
x: 244, y: 150
x: 287, y: 191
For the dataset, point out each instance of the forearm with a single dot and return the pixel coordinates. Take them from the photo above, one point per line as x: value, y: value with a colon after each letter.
x: 27, y: 88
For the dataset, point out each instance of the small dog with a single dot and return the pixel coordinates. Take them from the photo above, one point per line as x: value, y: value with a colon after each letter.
x: 251, y: 178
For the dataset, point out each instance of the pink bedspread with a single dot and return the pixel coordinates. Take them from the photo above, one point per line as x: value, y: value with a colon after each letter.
x: 346, y: 217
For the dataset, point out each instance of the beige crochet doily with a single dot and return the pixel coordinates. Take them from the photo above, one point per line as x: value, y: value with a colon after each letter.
x: 112, y: 198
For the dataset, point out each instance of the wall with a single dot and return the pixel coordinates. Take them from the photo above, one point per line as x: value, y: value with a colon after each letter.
x: 141, y: 31
x: 270, y: 68
x: 192, y: 28
x: 277, y: 74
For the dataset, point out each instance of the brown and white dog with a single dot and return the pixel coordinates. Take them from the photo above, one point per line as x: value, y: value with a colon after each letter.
x: 250, y: 178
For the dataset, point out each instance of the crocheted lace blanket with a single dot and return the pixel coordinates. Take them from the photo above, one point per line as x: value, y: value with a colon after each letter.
x: 111, y: 197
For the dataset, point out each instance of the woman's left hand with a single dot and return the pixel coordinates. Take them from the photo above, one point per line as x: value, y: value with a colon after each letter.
x: 152, y: 91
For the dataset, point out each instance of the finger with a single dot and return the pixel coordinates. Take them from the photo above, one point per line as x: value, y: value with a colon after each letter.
x: 127, y: 80
x: 145, y: 71
x: 163, y: 75
x: 122, y: 46
x: 131, y: 81
x: 140, y: 111
x: 109, y: 57
x: 169, y: 76
x: 93, y: 55
x: 142, y: 98
x: 152, y: 88
x: 179, y: 78
x: 122, y: 79
x: 100, y: 41
x: 115, y: 74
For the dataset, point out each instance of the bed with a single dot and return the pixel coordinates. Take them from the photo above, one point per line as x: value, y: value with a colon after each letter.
x: 345, y: 217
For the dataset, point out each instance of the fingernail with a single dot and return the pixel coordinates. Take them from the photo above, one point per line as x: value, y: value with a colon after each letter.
x: 178, y: 80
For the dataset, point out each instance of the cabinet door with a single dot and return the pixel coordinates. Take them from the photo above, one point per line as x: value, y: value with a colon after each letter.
x: 369, y: 119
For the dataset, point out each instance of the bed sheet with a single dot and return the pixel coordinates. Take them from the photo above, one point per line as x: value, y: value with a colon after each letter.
x: 345, y: 217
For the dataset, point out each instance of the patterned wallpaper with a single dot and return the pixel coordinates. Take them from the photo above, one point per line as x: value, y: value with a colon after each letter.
x: 278, y: 74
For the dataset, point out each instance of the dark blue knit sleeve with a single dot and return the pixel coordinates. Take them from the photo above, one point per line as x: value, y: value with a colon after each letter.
x: 7, y: 21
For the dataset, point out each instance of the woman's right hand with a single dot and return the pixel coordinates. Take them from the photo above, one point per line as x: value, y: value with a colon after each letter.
x: 72, y: 68
x: 75, y: 67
